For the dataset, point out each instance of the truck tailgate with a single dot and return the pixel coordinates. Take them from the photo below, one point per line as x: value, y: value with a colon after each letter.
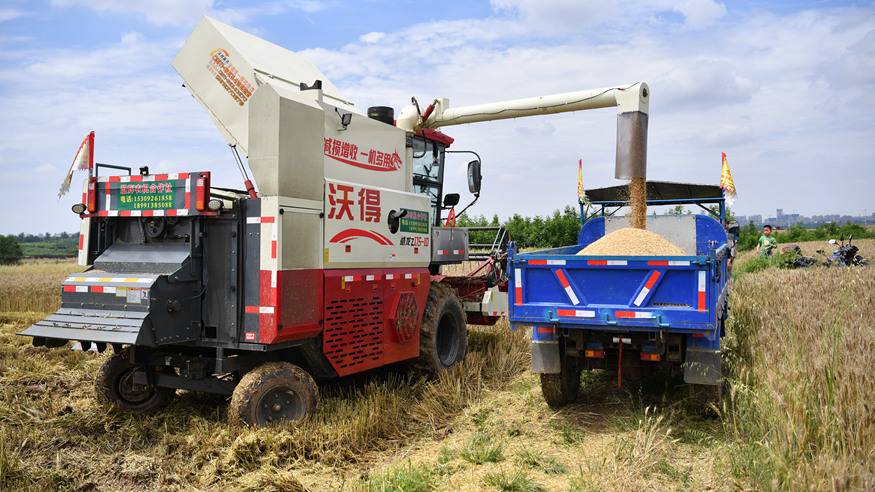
x: 679, y: 293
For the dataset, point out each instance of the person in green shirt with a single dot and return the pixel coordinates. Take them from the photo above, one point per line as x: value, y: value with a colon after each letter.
x: 767, y: 242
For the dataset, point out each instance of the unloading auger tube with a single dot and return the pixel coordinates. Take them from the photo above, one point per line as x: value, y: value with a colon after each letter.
x: 631, y: 101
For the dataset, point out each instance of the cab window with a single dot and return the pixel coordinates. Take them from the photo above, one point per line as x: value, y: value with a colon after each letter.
x: 428, y: 173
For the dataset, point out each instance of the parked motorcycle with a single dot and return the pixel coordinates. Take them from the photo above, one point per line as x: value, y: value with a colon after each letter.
x: 845, y: 254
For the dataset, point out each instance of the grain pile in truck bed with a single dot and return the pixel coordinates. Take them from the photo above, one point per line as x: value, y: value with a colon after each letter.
x: 631, y: 242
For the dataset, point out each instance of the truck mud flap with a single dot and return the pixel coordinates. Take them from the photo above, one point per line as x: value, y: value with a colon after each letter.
x: 703, y: 366
x: 123, y: 327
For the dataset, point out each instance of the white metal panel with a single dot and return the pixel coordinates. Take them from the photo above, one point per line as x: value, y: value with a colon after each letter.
x: 357, y: 231
x: 367, y: 151
x: 286, y: 140
x: 222, y: 66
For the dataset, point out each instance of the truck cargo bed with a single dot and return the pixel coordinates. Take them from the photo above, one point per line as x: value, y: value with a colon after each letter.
x: 683, y: 294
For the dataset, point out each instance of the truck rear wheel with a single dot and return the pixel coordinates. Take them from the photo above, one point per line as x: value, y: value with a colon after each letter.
x: 271, y: 393
x: 119, y: 384
x: 443, y: 336
x: 563, y: 388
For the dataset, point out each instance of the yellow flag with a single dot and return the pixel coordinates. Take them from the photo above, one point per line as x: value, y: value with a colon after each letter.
x: 726, y: 182
x: 580, y: 195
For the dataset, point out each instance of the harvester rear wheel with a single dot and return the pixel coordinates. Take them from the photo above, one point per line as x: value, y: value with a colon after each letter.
x: 115, y: 384
x: 563, y: 388
x: 271, y: 393
x: 443, y: 336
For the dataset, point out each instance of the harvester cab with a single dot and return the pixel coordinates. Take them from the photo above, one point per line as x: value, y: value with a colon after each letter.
x: 329, y: 264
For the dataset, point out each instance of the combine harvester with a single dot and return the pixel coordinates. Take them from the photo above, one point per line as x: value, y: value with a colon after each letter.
x: 332, y: 267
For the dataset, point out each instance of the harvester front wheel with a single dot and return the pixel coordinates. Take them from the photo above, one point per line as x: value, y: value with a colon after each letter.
x: 118, y: 384
x: 443, y: 336
x: 271, y: 393
x: 563, y: 388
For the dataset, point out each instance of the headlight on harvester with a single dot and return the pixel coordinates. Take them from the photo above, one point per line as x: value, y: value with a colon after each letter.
x: 78, y: 208
x: 215, y: 204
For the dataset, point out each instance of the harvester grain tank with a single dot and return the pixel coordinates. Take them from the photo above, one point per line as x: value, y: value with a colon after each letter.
x: 331, y: 268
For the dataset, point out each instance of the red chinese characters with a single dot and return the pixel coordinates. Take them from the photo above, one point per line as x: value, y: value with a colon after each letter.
x: 348, y: 153
x: 341, y: 199
x: 338, y: 199
x: 369, y: 205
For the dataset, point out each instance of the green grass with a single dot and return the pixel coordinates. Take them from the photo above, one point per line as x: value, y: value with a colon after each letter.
x: 569, y: 433
x: 407, y: 478
x: 482, y: 448
x: 542, y: 462
x: 511, y: 482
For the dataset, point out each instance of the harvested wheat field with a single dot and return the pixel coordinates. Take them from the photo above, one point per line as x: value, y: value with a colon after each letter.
x: 629, y: 241
x: 800, y: 347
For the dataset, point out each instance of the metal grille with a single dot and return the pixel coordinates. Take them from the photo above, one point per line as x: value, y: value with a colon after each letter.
x: 353, y: 334
x: 406, y: 317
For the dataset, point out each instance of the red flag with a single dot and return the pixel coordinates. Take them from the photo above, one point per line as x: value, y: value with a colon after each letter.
x: 84, y: 159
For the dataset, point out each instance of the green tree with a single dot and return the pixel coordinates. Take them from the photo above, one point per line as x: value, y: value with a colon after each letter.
x: 10, y: 251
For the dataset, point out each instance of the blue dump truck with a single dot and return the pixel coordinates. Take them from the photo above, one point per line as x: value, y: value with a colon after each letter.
x: 628, y: 313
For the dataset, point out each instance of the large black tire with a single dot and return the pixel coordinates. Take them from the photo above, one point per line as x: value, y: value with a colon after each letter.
x: 271, y: 393
x: 114, y: 385
x: 443, y: 336
x: 563, y: 388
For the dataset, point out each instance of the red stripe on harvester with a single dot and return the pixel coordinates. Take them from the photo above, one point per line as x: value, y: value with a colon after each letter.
x: 657, y: 263
x: 188, y: 200
x: 625, y: 314
x: 124, y: 213
x: 69, y: 288
x: 171, y: 212
x: 596, y: 262
x: 183, y: 176
x: 97, y: 288
x: 562, y: 279
x: 148, y: 213
x: 273, y: 249
x: 701, y: 306
x: 160, y: 177
x: 81, y: 241
x: 537, y: 262
x: 566, y: 312
x: 267, y: 220
x: 546, y: 330
x: 136, y: 179
x: 519, y: 295
x: 252, y: 309
x: 114, y: 179
x: 652, y: 280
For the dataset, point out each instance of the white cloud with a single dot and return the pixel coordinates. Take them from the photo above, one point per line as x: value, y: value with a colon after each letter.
x: 160, y: 12
x: 700, y: 13
x: 11, y: 14
x: 187, y: 12
x: 372, y: 37
x: 577, y: 15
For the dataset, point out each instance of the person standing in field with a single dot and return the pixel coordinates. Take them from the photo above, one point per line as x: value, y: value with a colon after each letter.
x: 767, y: 242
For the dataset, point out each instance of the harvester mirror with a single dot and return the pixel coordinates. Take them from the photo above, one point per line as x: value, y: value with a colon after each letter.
x: 474, y: 177
x: 451, y: 200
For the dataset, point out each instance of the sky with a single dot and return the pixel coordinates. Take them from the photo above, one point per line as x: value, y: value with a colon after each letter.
x: 784, y: 88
